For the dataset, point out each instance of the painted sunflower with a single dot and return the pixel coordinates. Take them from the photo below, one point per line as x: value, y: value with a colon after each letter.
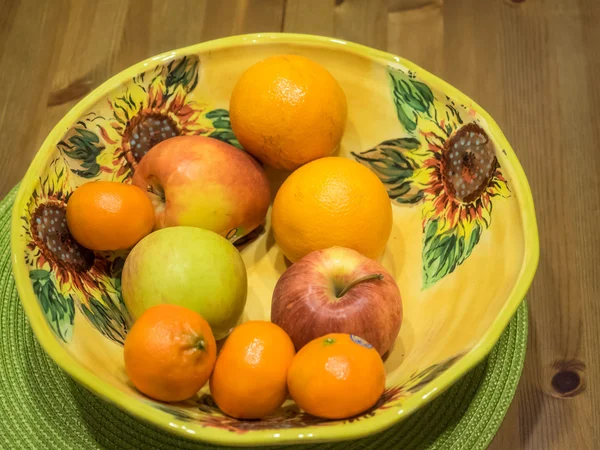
x: 108, y: 143
x: 450, y: 168
x: 52, y: 247
x: 63, y: 273
x: 154, y: 107
x: 464, y: 175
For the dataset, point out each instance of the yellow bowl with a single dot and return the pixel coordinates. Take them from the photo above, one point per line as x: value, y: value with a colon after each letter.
x: 462, y: 267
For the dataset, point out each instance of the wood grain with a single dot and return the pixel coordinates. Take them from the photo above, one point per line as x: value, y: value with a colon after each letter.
x: 533, y: 64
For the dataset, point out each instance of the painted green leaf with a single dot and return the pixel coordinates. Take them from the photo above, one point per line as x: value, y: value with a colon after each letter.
x: 424, y: 90
x: 419, y: 379
x: 411, y: 97
x: 408, y: 143
x: 443, y: 252
x: 88, y: 136
x: 116, y: 267
x: 406, y: 116
x: 222, y: 125
x: 109, y: 316
x: 39, y: 274
x: 217, y: 113
x: 182, y: 72
x: 178, y: 413
x: 222, y: 135
x: 58, y: 309
x: 395, y: 163
x: 83, y: 146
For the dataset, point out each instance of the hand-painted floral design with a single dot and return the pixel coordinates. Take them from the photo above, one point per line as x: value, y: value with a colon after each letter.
x: 440, y: 168
x: 59, y: 309
x: 51, y: 245
x: 288, y: 416
x: 108, y: 143
x: 82, y: 148
x: 421, y: 378
x: 62, y: 272
x: 450, y: 168
x: 208, y: 414
x: 155, y: 107
x: 222, y: 126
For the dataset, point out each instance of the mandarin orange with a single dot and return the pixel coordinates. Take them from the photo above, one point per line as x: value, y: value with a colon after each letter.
x: 249, y: 378
x: 169, y: 353
x: 336, y: 376
x: 104, y: 215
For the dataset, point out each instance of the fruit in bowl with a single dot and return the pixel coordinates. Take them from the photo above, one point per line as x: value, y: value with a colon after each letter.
x: 202, y: 182
x: 170, y: 353
x: 288, y: 110
x: 435, y: 223
x: 338, y: 290
x: 336, y: 376
x: 190, y: 267
x: 249, y: 379
x: 107, y: 216
x: 332, y: 202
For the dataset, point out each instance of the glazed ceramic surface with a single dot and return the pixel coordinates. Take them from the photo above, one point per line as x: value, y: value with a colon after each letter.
x: 463, y: 249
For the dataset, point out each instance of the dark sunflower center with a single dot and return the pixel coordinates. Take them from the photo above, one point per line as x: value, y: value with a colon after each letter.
x: 468, y: 163
x: 147, y: 131
x: 468, y: 159
x: 50, y: 231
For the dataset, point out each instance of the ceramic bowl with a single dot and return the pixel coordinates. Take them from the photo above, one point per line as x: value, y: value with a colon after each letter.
x: 463, y: 249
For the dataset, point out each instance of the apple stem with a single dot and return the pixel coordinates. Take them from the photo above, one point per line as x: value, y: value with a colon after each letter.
x: 374, y: 276
x: 160, y: 193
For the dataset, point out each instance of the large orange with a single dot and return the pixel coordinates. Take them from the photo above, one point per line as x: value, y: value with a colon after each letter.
x: 104, y: 215
x: 336, y: 376
x: 170, y: 352
x: 249, y: 379
x: 287, y: 110
x: 332, y: 202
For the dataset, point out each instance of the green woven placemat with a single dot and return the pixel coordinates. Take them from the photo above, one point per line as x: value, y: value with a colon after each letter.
x: 42, y: 408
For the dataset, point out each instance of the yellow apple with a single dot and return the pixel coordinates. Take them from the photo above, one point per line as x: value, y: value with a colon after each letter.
x: 202, y: 182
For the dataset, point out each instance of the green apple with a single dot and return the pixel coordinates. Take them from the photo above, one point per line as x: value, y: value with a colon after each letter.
x: 190, y: 267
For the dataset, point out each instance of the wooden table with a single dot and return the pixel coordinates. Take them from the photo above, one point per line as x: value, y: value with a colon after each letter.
x: 533, y: 64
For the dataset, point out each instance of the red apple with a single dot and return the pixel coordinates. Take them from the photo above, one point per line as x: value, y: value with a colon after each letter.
x: 202, y: 182
x: 338, y: 290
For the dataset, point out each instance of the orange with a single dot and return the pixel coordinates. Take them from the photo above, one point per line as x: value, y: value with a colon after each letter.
x: 105, y: 215
x: 169, y: 353
x: 332, y: 202
x: 249, y: 379
x: 336, y: 376
x: 287, y: 110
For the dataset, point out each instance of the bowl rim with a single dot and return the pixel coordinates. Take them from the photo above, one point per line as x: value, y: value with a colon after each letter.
x: 310, y: 434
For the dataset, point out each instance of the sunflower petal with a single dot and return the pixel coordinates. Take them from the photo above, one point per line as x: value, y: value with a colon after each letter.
x: 498, y: 186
